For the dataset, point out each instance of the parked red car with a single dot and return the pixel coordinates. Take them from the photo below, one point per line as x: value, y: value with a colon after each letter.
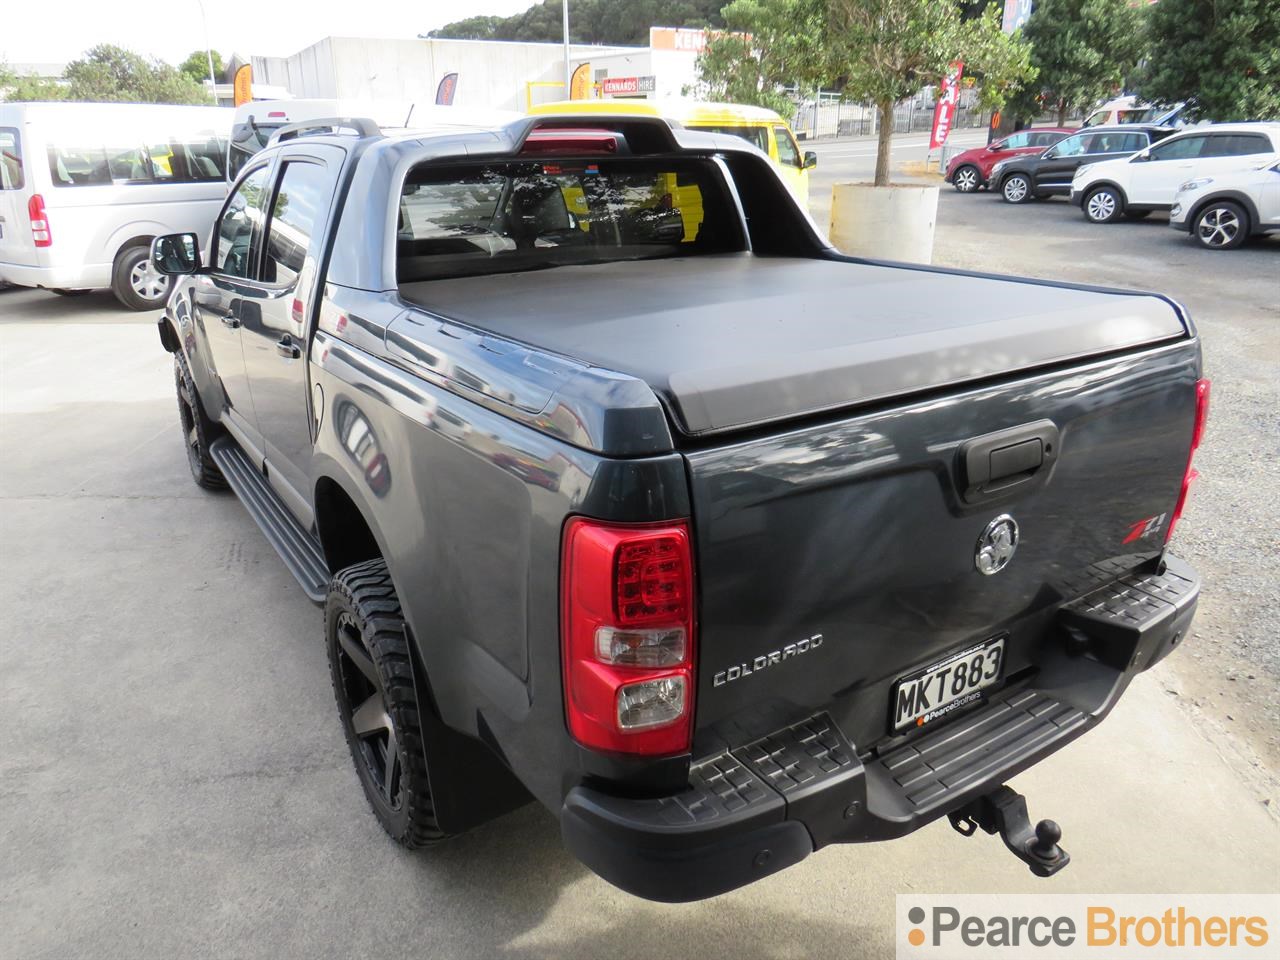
x: 970, y: 170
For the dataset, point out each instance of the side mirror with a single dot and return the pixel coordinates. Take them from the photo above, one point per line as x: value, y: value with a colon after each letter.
x: 810, y: 160
x: 1140, y: 158
x: 176, y: 254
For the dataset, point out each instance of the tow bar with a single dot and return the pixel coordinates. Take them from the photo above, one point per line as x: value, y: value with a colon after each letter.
x: 1004, y: 811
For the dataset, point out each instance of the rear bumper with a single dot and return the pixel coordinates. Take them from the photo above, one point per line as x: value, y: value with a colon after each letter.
x: 754, y: 810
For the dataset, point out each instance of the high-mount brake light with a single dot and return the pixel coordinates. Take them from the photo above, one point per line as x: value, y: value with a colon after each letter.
x: 570, y: 141
x: 41, y: 235
x: 627, y: 633
x: 1191, y: 474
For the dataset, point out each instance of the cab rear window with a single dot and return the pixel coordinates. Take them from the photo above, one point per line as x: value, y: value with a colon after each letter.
x: 11, y: 177
x: 505, y: 217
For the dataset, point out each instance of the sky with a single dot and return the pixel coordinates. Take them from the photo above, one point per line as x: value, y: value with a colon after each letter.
x: 171, y: 29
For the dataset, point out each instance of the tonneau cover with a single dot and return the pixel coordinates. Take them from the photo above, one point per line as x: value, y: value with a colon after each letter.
x: 736, y: 340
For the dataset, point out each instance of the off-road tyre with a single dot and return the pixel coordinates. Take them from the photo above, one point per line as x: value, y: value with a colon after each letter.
x: 198, y: 431
x: 370, y: 666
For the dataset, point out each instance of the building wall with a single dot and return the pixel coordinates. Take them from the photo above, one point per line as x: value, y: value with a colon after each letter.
x: 491, y: 74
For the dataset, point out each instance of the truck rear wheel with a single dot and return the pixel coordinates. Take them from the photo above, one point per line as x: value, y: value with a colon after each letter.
x: 198, y: 431
x: 136, y: 283
x: 373, y: 684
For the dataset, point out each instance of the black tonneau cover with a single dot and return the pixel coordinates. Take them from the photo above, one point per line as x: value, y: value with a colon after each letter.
x: 734, y: 340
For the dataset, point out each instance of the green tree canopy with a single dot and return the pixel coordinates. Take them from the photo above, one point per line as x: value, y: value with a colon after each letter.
x: 18, y: 88
x: 1223, y: 59
x: 772, y: 44
x: 887, y: 50
x: 624, y: 22
x: 111, y: 74
x: 196, y: 66
x: 1082, y: 50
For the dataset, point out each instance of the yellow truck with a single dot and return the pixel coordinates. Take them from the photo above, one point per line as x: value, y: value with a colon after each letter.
x: 763, y: 128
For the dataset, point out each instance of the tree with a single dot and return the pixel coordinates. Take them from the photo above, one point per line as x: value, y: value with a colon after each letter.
x: 111, y: 74
x: 196, y: 66
x: 17, y: 88
x: 771, y: 44
x: 887, y: 50
x: 1082, y: 50
x: 1223, y: 59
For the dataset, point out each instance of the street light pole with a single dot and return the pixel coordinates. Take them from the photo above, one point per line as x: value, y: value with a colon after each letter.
x: 213, y: 84
x: 564, y: 7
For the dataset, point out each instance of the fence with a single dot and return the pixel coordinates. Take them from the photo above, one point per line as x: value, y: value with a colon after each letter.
x: 835, y: 118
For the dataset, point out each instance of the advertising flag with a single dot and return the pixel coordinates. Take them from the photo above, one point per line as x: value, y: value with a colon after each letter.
x: 444, y: 92
x: 242, y: 85
x: 944, y: 114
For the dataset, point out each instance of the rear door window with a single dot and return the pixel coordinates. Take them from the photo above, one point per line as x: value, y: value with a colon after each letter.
x: 505, y: 217
x: 11, y: 175
x: 191, y: 159
x: 1117, y: 142
x: 300, y: 201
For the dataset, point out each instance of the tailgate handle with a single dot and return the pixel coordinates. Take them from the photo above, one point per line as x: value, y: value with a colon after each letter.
x: 997, y: 463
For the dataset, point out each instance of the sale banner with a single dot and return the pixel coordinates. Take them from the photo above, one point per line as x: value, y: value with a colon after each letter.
x: 944, y: 114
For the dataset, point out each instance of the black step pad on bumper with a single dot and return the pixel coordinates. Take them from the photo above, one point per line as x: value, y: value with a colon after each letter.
x: 972, y: 748
x: 299, y: 550
x: 1136, y: 620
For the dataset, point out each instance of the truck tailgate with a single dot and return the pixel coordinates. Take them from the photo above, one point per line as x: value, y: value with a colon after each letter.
x: 859, y: 532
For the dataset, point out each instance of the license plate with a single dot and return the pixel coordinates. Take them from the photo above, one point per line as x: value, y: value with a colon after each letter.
x: 953, y: 682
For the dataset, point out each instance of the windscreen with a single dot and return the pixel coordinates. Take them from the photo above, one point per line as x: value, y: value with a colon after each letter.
x: 509, y: 216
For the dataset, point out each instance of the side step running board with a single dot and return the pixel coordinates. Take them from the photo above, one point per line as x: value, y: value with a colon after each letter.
x: 299, y: 550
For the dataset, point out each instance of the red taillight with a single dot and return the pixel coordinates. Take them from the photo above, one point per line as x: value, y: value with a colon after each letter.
x: 1191, y: 474
x: 40, y: 232
x: 570, y: 142
x: 277, y: 115
x: 627, y: 628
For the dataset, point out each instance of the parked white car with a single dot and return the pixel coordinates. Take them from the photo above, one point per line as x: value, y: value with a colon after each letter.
x: 84, y: 187
x: 1148, y: 180
x: 1223, y: 211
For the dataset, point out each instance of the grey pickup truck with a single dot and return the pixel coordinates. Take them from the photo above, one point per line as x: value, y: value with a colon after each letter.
x: 623, y: 491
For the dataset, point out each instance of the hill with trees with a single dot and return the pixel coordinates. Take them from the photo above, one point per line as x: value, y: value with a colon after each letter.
x: 622, y: 22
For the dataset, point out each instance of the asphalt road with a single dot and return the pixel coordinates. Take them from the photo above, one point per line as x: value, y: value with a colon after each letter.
x: 173, y: 778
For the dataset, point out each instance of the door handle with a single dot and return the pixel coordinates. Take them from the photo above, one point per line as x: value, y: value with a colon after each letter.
x: 287, y: 348
x: 230, y: 322
x: 998, y: 462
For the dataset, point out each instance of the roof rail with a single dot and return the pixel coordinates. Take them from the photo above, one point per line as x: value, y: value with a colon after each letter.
x: 363, y: 127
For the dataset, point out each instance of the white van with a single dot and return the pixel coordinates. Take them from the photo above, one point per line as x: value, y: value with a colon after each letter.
x: 84, y: 187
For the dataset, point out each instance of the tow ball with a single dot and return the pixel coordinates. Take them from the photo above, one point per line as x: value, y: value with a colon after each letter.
x: 1004, y: 811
